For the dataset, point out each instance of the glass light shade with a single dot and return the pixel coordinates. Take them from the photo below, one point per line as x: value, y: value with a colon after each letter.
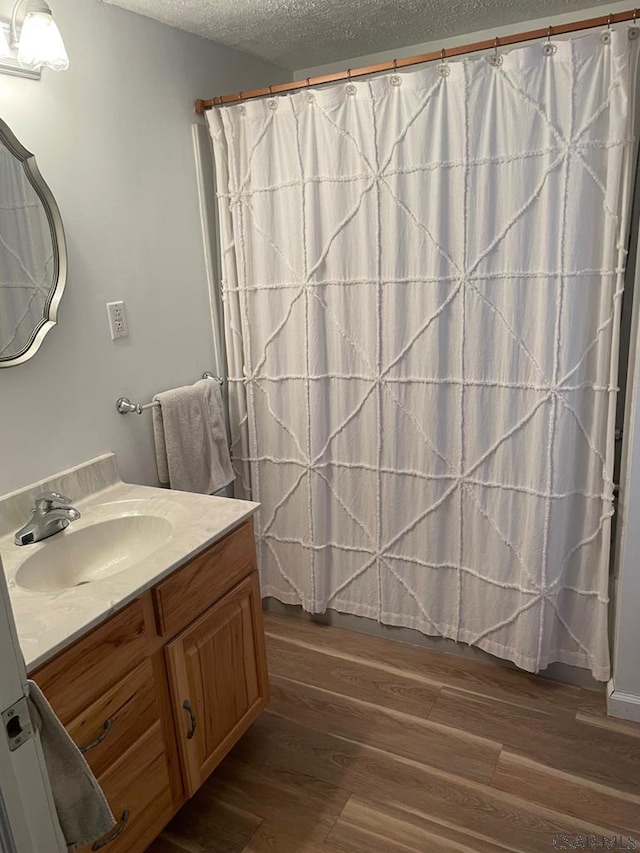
x: 5, y: 50
x: 41, y: 43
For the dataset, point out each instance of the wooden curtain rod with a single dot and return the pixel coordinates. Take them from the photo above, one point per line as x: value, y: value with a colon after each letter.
x: 562, y: 29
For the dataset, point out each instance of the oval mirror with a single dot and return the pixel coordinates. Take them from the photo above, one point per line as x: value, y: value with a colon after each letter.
x: 33, y: 253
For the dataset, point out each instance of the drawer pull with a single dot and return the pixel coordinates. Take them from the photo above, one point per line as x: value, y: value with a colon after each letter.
x: 117, y: 832
x: 106, y: 729
x: 187, y: 706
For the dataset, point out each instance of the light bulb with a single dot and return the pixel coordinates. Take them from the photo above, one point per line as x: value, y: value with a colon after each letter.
x: 41, y: 43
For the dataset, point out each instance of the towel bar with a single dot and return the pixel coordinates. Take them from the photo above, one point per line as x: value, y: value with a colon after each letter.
x: 125, y: 406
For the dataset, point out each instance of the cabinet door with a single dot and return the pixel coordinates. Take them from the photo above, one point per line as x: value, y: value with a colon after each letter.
x: 218, y: 679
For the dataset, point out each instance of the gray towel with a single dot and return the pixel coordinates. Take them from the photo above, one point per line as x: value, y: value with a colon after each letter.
x: 190, y: 438
x: 83, y: 811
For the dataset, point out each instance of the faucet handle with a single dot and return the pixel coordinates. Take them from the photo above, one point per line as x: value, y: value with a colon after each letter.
x: 49, y: 500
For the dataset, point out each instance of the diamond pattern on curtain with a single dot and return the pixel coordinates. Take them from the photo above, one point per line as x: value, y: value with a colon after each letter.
x: 422, y: 285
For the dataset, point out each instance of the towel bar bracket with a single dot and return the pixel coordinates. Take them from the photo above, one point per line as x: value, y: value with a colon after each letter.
x: 124, y: 406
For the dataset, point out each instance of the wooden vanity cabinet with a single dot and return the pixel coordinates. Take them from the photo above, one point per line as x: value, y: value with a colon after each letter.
x: 218, y: 679
x: 195, y: 638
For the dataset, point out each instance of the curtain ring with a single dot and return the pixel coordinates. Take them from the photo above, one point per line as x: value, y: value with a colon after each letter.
x: 350, y: 89
x: 496, y: 59
x: 443, y: 67
x: 549, y: 49
x: 271, y: 90
x: 395, y: 79
x: 308, y: 82
x: 239, y: 96
x: 605, y: 36
x: 635, y: 13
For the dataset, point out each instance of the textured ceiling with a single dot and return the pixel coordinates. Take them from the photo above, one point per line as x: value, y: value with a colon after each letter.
x: 302, y: 33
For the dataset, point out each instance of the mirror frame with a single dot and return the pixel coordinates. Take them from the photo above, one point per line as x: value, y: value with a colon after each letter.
x: 50, y: 314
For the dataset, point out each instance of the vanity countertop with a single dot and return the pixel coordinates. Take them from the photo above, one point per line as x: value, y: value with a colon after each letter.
x: 47, y: 622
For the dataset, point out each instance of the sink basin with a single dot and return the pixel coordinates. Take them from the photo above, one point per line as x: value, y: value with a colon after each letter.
x: 92, y: 553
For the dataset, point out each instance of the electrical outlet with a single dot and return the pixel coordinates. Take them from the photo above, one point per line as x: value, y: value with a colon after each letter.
x: 117, y: 320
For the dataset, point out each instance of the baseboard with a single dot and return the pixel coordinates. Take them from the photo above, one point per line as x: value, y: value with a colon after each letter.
x: 625, y: 706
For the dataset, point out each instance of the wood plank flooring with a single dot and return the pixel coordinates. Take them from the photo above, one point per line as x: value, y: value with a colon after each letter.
x: 373, y: 746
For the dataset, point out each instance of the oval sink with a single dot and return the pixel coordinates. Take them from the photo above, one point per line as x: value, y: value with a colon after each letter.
x: 92, y: 553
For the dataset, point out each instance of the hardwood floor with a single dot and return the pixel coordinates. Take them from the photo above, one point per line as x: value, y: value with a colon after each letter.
x: 372, y: 746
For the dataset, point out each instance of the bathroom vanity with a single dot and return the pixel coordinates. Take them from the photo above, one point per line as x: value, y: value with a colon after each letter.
x: 159, y: 686
x: 158, y: 694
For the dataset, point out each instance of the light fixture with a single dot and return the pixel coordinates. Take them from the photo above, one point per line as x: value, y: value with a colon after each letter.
x: 34, y: 41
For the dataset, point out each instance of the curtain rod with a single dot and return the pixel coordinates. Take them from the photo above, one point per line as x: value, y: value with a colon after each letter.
x: 203, y: 104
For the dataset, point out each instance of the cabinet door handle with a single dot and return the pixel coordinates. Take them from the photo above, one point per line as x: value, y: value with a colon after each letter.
x: 117, y: 832
x: 106, y: 728
x: 192, y: 717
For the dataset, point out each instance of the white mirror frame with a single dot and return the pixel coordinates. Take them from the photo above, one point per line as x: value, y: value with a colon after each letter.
x: 54, y: 219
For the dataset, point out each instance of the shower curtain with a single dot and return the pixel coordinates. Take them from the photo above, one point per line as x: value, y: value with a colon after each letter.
x: 422, y: 283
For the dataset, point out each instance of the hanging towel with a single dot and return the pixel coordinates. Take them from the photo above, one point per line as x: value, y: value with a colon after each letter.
x: 190, y: 437
x: 83, y: 812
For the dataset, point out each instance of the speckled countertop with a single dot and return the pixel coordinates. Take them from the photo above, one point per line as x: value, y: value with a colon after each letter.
x: 49, y: 621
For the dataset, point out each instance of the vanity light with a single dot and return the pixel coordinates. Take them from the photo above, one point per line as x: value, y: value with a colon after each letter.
x: 33, y: 43
x: 40, y: 42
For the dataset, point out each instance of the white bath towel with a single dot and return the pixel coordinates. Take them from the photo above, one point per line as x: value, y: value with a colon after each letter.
x: 83, y: 811
x: 190, y: 438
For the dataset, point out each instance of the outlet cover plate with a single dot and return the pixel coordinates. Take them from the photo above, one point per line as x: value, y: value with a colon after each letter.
x: 117, y: 320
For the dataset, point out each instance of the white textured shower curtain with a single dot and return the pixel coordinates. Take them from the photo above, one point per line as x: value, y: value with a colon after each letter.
x: 422, y: 282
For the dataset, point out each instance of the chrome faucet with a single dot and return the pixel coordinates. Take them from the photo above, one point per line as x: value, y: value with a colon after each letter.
x: 52, y: 513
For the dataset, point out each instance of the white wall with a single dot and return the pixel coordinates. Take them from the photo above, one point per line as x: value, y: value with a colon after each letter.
x: 624, y: 687
x: 479, y: 35
x: 112, y: 137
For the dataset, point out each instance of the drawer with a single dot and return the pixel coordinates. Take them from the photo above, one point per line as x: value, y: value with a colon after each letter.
x: 138, y: 790
x: 189, y: 591
x: 79, y: 675
x: 116, y: 720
